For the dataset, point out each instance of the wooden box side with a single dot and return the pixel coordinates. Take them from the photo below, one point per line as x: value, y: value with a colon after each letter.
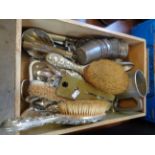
x: 137, y: 54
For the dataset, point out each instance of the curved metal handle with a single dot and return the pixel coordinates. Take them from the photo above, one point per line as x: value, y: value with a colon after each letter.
x: 127, y: 65
x: 139, y: 106
x: 61, y: 62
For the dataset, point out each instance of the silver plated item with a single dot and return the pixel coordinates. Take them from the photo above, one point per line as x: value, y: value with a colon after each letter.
x: 28, y: 123
x: 137, y: 89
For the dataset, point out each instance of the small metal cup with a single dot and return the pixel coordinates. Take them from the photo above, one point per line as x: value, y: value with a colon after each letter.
x: 137, y: 89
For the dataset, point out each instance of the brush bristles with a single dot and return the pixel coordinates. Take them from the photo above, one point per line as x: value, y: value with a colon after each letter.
x: 44, y: 91
x: 84, y: 107
x: 108, y: 76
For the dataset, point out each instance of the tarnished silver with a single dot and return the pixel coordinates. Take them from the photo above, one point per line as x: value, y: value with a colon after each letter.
x: 39, y: 70
x: 54, y: 81
x: 137, y: 89
x: 38, y: 43
x: 72, y: 73
x: 38, y: 103
x: 28, y: 123
x: 101, y: 48
x: 61, y: 62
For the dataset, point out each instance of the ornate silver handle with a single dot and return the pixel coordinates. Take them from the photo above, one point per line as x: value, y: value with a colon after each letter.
x: 61, y: 62
x: 27, y: 123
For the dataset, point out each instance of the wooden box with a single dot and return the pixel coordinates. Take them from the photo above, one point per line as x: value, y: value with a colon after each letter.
x: 14, y: 67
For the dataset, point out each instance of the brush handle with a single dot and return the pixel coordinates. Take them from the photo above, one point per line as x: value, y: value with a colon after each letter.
x: 27, y: 123
x: 45, y: 48
x: 61, y: 62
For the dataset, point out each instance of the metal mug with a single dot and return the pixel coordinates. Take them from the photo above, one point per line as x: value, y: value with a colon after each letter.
x: 137, y: 89
x: 101, y: 48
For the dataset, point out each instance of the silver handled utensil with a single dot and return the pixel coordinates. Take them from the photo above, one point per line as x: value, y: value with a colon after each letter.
x: 38, y: 43
x: 61, y: 62
x: 28, y: 123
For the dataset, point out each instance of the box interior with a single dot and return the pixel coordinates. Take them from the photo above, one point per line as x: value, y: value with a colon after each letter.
x: 137, y: 55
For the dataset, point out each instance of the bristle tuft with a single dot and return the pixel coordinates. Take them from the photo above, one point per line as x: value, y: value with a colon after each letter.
x: 44, y: 91
x: 84, y: 107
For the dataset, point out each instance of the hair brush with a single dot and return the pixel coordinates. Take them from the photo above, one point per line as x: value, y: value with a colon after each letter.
x: 104, y: 74
x: 43, y: 90
x: 70, y: 113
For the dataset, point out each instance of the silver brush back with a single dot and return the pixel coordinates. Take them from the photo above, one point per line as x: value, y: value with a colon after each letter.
x: 29, y: 123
